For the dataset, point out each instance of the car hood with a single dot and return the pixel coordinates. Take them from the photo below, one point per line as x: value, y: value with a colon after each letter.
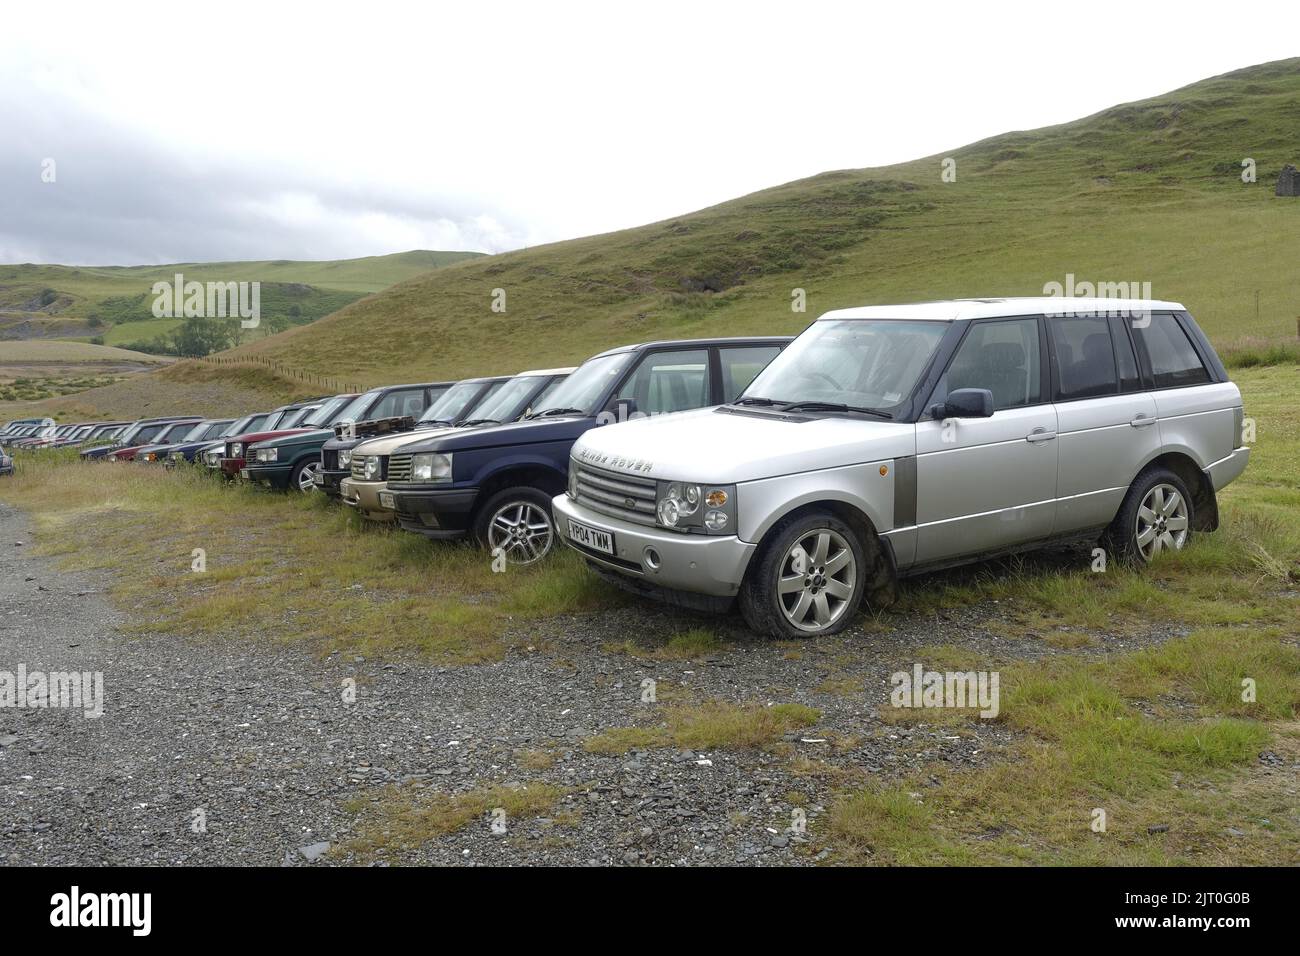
x: 387, y: 444
x: 295, y: 437
x: 497, y: 436
x: 727, y: 446
x: 251, y: 437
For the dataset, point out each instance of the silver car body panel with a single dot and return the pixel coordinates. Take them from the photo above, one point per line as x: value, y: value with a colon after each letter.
x: 950, y: 490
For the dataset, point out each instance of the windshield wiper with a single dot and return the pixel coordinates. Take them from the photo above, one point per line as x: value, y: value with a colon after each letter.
x: 435, y: 421
x: 557, y: 411
x: 755, y: 400
x: 834, y: 407
x: 478, y: 421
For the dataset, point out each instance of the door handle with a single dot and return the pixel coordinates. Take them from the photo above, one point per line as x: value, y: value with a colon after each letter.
x: 1040, y: 434
x: 1142, y: 421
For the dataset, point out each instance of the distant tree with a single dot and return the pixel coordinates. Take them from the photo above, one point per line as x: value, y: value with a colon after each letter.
x: 94, y: 321
x: 199, y: 337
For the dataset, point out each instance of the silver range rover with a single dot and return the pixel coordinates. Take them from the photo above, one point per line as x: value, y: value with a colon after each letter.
x: 891, y: 440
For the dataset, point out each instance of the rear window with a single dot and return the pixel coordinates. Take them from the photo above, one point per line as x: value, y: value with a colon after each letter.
x: 1174, y: 361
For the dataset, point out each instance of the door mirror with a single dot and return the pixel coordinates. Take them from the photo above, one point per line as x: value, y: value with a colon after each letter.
x: 965, y: 403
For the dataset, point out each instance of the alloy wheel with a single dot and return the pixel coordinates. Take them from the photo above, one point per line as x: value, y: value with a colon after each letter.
x: 307, y: 477
x: 817, y: 579
x: 1161, y: 521
x: 521, y: 531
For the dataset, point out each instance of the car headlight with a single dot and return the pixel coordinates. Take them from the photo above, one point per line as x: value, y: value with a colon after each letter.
x: 374, y: 469
x: 345, y: 457
x: 111, y: 457
x: 687, y: 507
x: 266, y: 454
x: 237, y: 450
x: 433, y: 467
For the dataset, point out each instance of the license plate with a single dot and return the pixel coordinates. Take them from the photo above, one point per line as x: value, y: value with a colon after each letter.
x: 592, y: 538
x: 386, y: 500
x: 318, y: 479
x: 243, y: 473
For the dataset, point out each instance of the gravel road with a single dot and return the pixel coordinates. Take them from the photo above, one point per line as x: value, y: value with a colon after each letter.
x: 217, y: 753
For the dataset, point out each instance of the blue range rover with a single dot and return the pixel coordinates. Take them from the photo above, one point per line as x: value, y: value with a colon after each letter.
x: 496, y: 483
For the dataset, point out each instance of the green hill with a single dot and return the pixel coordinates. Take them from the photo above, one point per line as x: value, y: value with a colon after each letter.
x: 115, y: 302
x: 1144, y: 192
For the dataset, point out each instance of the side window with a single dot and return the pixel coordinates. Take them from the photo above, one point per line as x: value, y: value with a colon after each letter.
x: 402, y: 402
x: 1001, y: 356
x: 740, y: 366
x: 1085, y: 359
x: 669, y: 382
x: 1174, y: 361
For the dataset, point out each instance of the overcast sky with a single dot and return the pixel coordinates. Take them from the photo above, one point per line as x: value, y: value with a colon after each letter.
x: 184, y: 132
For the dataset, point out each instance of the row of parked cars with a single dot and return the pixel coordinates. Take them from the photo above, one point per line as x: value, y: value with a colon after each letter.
x: 794, y: 477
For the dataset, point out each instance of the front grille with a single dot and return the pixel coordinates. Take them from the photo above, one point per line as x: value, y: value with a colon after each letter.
x: 399, y: 468
x: 329, y: 459
x: 623, y: 496
x: 359, y: 467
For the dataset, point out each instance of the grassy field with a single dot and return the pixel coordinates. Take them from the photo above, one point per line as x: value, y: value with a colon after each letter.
x: 53, y: 350
x: 115, y: 302
x: 1160, y: 737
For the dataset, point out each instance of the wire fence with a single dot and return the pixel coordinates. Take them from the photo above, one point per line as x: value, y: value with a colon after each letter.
x: 284, y: 371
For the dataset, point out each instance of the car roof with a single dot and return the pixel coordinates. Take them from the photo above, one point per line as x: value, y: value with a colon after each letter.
x: 549, y: 371
x: 950, y: 310
x: 485, y: 378
x: 386, y: 388
x: 700, y: 343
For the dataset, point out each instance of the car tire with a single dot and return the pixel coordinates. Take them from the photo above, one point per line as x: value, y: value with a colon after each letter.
x: 519, y: 522
x: 822, y: 589
x: 304, y: 473
x: 1156, y: 516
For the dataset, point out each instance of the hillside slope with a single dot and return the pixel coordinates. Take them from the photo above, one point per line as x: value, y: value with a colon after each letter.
x: 52, y: 301
x: 1143, y: 192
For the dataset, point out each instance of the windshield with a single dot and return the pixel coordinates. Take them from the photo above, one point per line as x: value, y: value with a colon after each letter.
x: 864, y: 363
x: 453, y: 402
x: 506, y: 403
x: 324, y: 415
x: 585, y: 388
x: 175, y: 432
x: 238, y: 427
x: 195, y: 433
x: 357, y: 408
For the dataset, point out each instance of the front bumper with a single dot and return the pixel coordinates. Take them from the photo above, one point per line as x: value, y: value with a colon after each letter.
x: 231, y: 467
x: 274, y: 476
x: 712, y: 565
x: 364, y: 496
x: 435, y: 512
x: 331, y: 482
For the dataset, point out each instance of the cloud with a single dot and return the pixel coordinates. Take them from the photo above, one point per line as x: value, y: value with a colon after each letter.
x: 122, y: 197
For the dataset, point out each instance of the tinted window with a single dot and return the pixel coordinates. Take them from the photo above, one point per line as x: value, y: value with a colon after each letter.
x: 1174, y: 361
x: 407, y: 401
x: 1002, y: 357
x: 741, y: 365
x: 1085, y: 359
x: 669, y: 382
x: 1130, y: 379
